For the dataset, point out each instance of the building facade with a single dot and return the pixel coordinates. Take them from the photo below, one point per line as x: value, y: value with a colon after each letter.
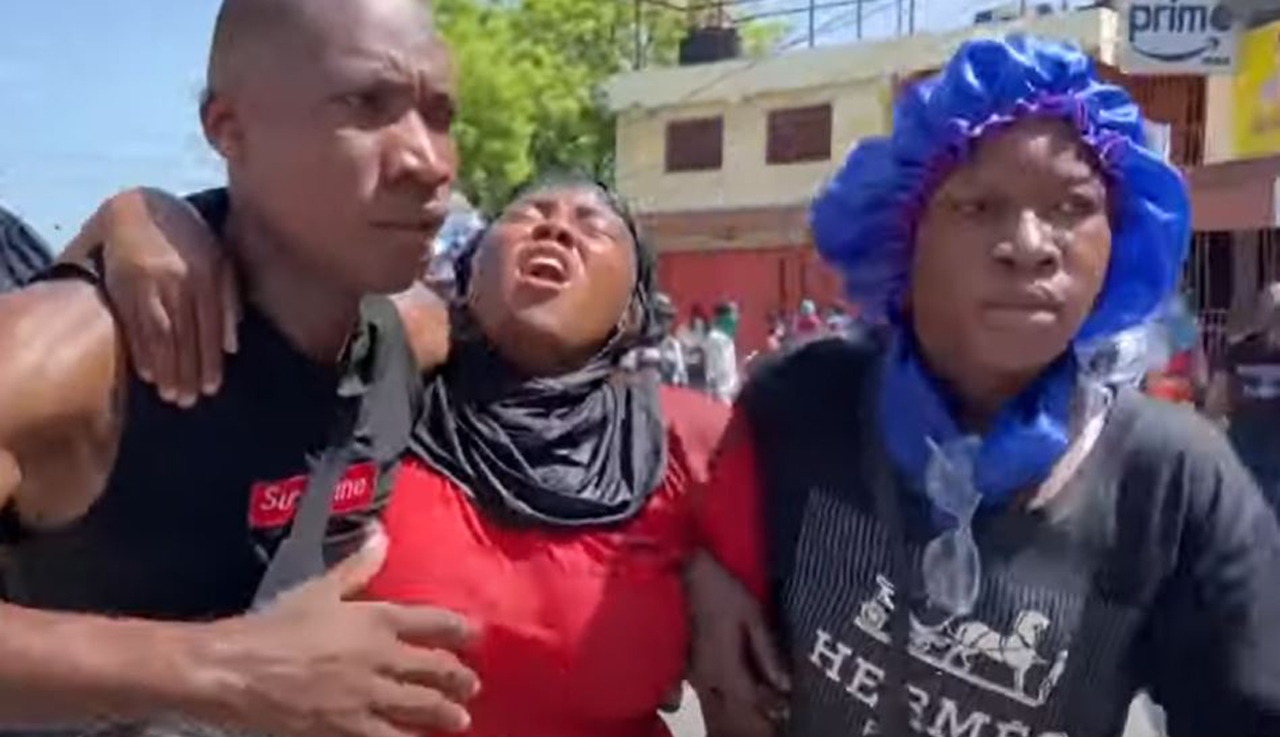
x: 1235, y: 194
x: 720, y: 160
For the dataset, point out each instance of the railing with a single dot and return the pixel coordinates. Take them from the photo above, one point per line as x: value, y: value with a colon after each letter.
x: 1214, y: 334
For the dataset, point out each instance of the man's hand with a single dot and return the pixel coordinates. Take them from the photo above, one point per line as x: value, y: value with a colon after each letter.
x: 736, y: 669
x: 314, y: 665
x: 173, y: 290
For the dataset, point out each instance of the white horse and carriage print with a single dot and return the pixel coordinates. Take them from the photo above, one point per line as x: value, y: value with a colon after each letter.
x: 1009, y: 663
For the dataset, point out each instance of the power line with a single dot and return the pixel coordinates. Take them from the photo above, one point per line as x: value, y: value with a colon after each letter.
x: 831, y: 24
x: 708, y: 4
x: 808, y: 6
x: 870, y: 10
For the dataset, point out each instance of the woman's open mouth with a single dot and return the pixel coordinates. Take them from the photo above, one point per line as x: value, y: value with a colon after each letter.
x: 546, y: 266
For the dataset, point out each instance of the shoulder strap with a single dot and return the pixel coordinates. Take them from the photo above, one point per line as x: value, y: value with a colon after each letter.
x: 397, y: 358
x: 394, y: 398
x: 300, y: 556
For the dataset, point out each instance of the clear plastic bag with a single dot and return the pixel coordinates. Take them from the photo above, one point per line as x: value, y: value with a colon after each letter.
x: 951, y: 566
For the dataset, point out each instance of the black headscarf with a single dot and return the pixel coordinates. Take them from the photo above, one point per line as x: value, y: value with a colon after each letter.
x: 583, y: 448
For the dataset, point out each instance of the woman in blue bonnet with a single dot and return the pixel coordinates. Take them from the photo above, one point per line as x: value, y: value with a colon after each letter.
x: 967, y: 529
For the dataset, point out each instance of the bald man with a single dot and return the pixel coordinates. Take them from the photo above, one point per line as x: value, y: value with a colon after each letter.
x: 333, y: 118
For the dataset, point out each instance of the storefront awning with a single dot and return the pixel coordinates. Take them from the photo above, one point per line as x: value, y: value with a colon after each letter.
x: 1235, y: 195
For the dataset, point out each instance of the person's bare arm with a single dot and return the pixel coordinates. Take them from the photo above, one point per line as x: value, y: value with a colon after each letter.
x: 79, y: 249
x: 426, y: 322
x: 176, y: 297
x: 60, y: 385
x: 171, y: 285
x: 57, y: 388
x: 311, y: 665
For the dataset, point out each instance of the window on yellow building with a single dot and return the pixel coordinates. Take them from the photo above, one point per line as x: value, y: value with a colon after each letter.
x: 696, y: 144
x: 799, y: 134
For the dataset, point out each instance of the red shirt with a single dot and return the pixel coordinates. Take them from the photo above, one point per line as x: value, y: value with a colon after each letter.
x: 1174, y: 383
x: 583, y: 632
x: 730, y: 509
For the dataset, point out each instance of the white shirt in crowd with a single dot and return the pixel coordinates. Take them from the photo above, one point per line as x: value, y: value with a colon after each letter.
x: 722, y: 366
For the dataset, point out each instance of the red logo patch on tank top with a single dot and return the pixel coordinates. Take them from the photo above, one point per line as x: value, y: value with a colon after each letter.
x: 273, y: 503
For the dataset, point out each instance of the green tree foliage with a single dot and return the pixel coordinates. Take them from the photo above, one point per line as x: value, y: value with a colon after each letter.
x: 530, y: 78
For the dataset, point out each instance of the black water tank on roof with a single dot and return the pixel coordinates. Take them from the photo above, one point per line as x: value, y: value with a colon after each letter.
x: 706, y: 45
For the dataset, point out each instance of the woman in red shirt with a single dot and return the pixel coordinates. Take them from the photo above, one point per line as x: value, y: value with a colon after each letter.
x: 545, y: 490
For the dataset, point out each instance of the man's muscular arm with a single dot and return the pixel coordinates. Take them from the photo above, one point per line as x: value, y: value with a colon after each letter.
x: 60, y: 382
x: 58, y: 386
x: 313, y: 665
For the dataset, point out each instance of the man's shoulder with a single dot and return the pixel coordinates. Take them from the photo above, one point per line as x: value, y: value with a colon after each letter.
x: 61, y: 352
x: 60, y: 313
x: 424, y: 316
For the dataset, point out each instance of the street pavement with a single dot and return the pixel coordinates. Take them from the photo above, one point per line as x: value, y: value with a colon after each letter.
x: 688, y: 721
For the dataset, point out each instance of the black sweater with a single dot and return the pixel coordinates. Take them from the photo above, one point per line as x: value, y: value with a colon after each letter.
x: 1157, y: 567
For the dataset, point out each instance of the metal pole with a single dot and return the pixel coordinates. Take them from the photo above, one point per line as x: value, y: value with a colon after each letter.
x: 911, y: 17
x: 859, y: 16
x: 639, y: 61
x: 813, y: 17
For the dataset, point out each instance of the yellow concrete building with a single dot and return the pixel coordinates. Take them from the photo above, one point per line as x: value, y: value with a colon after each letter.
x: 857, y: 80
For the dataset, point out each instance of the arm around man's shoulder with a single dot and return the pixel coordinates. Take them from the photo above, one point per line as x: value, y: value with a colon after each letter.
x: 425, y: 315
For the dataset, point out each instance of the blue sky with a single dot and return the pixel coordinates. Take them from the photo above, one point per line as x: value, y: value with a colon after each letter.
x: 838, y: 25
x: 98, y: 95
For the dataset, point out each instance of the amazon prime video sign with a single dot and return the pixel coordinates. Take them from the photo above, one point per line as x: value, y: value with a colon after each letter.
x: 1179, y: 37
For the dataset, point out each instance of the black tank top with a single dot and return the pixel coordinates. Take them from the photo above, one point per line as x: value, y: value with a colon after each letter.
x: 198, y: 499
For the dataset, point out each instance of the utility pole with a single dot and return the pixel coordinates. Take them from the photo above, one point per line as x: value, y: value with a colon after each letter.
x: 813, y: 17
x: 911, y: 17
x: 639, y: 60
x: 858, y: 14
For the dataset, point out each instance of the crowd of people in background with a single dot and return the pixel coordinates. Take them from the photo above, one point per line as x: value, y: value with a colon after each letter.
x: 703, y: 352
x: 1238, y: 386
